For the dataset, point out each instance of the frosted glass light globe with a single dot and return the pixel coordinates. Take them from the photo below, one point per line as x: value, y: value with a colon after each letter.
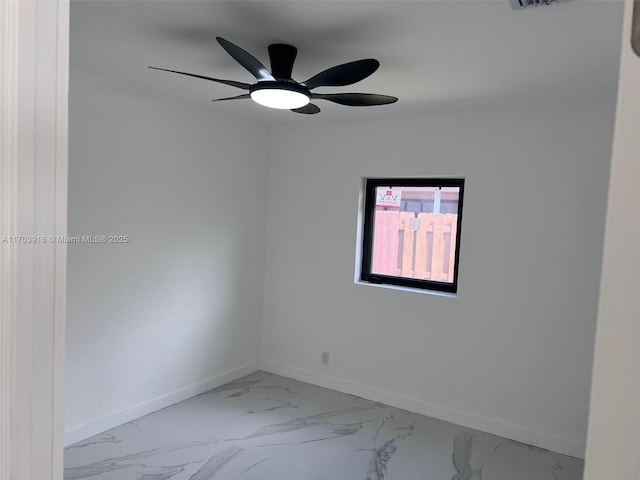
x: 279, y: 98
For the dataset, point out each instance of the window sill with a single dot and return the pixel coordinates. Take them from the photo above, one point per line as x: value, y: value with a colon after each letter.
x: 408, y: 289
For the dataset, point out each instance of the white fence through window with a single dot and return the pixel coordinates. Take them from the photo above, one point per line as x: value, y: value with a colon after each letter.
x: 410, y: 245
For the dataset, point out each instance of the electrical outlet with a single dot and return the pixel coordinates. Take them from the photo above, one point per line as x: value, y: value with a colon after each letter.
x: 324, y: 358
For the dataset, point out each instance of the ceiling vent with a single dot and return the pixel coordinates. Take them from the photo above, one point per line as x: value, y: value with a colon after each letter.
x: 521, y: 4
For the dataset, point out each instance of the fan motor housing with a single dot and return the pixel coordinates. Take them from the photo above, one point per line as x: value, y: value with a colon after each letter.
x: 271, y: 85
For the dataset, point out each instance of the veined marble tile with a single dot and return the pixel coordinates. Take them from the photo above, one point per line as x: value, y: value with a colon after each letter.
x: 269, y: 427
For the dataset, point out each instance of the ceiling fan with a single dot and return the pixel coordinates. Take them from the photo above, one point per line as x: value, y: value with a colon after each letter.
x: 276, y: 89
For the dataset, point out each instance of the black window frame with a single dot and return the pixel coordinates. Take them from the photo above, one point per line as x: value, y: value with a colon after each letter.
x: 367, y: 232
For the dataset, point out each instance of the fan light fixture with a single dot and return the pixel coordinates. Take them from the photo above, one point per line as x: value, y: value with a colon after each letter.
x: 280, y: 95
x: 276, y: 88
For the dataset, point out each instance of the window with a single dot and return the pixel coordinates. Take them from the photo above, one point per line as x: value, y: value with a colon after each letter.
x: 411, y: 233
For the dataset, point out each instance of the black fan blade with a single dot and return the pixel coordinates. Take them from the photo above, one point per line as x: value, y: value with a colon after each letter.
x: 344, y: 74
x: 282, y: 57
x: 245, y: 59
x: 309, y: 109
x: 356, y: 99
x: 237, y: 97
x: 244, y: 86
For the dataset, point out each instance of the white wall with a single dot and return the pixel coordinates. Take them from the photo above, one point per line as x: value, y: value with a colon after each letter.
x: 512, y: 353
x: 177, y: 309
x: 614, y: 420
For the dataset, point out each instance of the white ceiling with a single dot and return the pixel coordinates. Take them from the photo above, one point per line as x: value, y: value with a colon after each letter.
x: 435, y: 55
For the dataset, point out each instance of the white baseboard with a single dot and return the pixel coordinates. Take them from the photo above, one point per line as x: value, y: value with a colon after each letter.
x: 116, y: 419
x: 488, y: 425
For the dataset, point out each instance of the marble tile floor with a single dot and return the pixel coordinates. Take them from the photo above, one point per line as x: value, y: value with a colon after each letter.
x: 268, y: 427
